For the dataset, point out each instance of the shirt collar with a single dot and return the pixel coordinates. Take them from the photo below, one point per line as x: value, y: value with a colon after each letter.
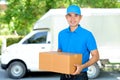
x: 76, y: 31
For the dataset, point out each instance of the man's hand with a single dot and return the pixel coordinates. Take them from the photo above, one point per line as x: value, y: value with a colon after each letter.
x: 78, y: 69
x: 93, y: 60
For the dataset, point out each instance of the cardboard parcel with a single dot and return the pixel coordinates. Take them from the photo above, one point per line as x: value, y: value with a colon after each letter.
x: 59, y: 62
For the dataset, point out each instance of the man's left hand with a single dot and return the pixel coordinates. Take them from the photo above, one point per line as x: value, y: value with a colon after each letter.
x: 78, y: 69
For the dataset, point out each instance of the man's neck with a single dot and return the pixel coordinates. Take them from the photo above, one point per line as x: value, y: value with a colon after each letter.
x: 72, y: 29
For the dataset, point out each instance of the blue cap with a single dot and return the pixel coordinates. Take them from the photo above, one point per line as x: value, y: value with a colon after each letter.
x: 74, y: 9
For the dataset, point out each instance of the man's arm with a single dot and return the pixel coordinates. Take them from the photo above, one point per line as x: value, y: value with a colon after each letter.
x: 94, y: 59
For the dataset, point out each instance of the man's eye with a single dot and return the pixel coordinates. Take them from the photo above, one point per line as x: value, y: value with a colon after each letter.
x: 76, y: 15
x: 69, y: 15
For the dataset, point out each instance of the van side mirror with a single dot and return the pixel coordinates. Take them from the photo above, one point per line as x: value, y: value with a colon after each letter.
x: 48, y: 42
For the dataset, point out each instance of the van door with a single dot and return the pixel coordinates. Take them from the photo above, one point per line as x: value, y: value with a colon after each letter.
x: 33, y: 46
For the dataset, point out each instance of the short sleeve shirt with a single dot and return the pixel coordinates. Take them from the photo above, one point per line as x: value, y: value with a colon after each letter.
x: 80, y: 41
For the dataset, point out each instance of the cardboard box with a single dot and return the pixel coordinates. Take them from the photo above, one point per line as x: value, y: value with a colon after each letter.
x: 59, y: 62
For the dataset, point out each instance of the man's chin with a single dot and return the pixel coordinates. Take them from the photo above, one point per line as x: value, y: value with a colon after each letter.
x: 73, y: 25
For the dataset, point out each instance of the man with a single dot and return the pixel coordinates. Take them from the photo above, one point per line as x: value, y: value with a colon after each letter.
x: 76, y: 39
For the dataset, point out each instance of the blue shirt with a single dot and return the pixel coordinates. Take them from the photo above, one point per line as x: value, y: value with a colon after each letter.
x: 80, y: 41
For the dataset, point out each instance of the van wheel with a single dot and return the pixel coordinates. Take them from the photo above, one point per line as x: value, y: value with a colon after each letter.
x: 16, y: 70
x: 93, y: 71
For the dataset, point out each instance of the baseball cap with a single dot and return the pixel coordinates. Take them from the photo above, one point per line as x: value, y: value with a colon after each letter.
x: 74, y: 9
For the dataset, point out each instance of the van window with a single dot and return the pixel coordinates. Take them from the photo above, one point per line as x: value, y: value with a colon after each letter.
x: 37, y: 38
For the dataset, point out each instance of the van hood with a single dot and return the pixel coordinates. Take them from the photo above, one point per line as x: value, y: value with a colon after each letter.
x: 12, y: 47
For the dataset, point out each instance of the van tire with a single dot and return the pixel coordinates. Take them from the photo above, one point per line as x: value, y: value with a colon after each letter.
x: 16, y: 70
x: 93, y: 71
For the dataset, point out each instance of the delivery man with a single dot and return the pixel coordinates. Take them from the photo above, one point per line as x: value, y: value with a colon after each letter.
x: 76, y: 39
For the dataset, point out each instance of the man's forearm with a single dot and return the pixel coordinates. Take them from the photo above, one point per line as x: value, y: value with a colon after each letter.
x: 94, y: 59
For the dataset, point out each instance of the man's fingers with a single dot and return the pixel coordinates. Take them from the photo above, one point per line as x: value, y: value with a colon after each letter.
x: 77, y: 69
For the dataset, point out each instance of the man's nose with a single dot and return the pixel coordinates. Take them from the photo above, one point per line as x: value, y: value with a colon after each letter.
x: 72, y: 18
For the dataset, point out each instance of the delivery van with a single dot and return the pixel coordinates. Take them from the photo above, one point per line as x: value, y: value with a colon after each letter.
x: 19, y: 58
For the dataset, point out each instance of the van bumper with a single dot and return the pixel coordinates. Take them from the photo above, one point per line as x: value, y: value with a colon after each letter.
x: 4, y: 66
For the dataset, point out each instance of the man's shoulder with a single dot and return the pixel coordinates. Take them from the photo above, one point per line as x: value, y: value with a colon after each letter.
x: 85, y: 31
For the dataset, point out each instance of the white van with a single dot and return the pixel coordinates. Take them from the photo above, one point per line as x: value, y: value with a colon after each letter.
x: 22, y: 57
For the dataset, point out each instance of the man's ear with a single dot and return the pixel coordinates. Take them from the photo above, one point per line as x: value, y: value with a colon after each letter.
x: 66, y: 16
x: 81, y: 16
